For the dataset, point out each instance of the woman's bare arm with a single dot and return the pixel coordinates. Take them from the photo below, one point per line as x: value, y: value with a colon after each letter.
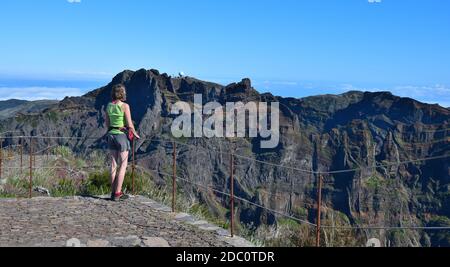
x: 108, y: 124
x: 130, y: 124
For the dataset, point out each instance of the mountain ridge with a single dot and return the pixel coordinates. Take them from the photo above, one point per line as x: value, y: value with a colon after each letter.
x: 12, y: 107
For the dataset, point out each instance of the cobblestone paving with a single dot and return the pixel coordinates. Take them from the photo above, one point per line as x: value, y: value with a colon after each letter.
x: 95, y: 222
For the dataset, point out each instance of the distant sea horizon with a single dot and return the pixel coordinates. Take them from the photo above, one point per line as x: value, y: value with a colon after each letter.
x: 35, y: 89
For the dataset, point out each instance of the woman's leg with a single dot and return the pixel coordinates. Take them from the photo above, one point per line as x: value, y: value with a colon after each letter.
x: 123, y: 162
x: 114, y: 163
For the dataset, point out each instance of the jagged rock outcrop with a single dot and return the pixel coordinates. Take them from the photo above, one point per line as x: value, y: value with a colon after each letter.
x: 355, y: 130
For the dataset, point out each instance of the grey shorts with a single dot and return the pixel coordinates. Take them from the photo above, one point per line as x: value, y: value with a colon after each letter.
x: 119, y: 142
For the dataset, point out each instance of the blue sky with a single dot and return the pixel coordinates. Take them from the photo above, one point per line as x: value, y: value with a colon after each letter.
x: 50, y: 48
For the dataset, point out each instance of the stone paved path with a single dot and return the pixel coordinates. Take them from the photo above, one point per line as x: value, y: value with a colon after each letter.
x: 94, y: 222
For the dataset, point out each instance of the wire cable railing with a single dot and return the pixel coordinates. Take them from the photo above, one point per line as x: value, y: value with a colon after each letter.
x: 265, y: 162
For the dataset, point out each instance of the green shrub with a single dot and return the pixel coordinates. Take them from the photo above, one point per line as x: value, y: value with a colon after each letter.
x: 375, y: 182
x: 98, y: 183
x: 53, y: 116
x: 65, y: 187
x: 288, y: 222
x: 202, y: 211
x: 63, y: 151
x: 301, y: 212
x: 97, y: 158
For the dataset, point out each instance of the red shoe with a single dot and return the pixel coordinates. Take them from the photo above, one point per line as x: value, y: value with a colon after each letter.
x: 120, y: 196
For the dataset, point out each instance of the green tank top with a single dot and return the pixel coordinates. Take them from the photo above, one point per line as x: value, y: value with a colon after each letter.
x: 116, y: 117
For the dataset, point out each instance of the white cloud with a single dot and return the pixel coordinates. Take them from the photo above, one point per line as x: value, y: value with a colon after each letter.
x: 38, y: 93
x: 374, y: 1
x: 74, y: 1
x: 429, y: 94
x: 99, y: 74
x: 432, y: 94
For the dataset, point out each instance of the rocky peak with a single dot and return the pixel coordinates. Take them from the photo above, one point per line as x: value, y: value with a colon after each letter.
x: 243, y: 86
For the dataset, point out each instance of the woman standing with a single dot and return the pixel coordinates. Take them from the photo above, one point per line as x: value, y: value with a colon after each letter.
x: 118, y: 121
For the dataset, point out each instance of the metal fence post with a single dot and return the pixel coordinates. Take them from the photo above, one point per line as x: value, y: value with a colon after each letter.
x: 319, y: 207
x: 133, y: 169
x: 1, y: 157
x: 31, y: 167
x: 34, y: 158
x: 21, y: 156
x: 174, y: 176
x: 232, y: 193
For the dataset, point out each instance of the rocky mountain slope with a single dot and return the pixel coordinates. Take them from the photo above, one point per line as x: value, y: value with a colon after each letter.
x: 355, y: 130
x: 11, y: 108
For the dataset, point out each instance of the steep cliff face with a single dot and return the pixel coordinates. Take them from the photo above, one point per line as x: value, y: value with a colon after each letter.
x: 355, y: 131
